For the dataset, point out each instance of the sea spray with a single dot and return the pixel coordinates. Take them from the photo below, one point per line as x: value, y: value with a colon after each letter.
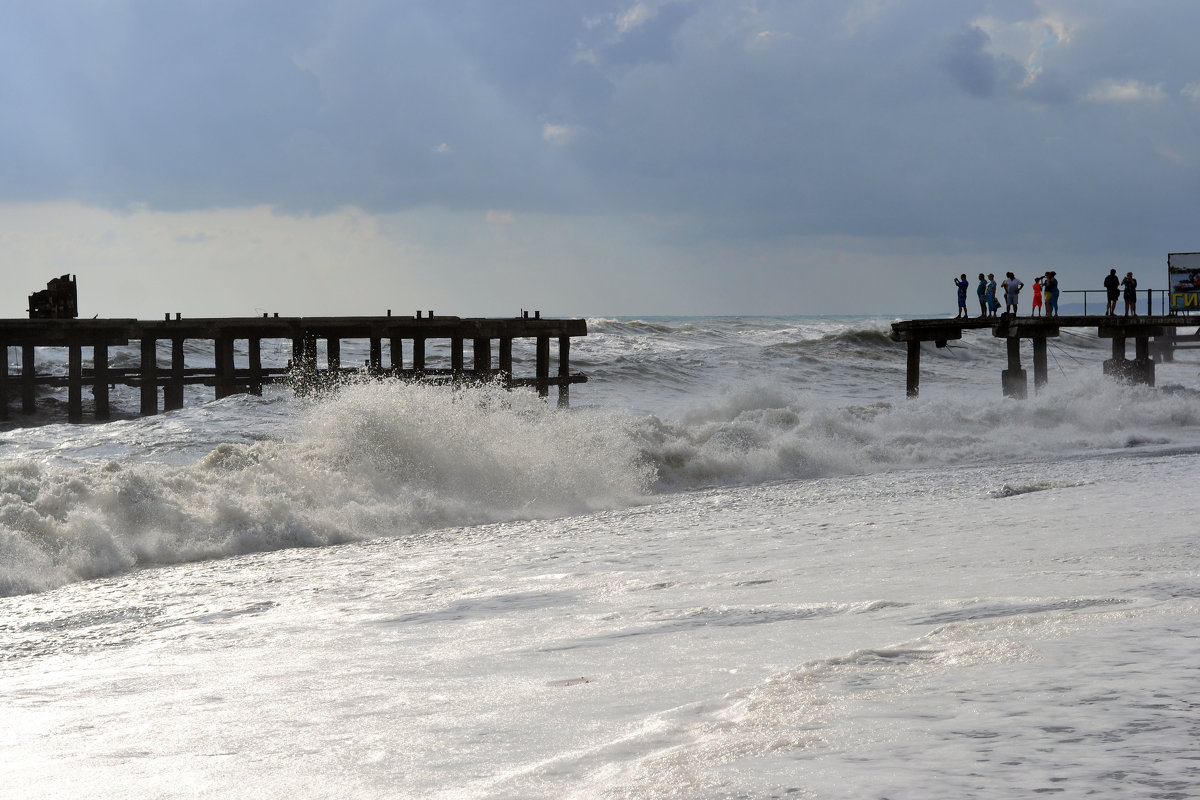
x: 371, y: 459
x: 764, y: 433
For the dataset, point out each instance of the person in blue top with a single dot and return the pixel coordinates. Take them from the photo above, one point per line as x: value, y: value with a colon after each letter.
x: 962, y: 283
x: 981, y: 290
x: 993, y: 303
x: 1050, y: 289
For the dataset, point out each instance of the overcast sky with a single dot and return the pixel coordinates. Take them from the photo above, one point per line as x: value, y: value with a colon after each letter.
x: 589, y: 157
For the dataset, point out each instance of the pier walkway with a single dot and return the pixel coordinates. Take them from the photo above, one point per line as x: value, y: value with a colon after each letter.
x: 1142, y: 330
x: 491, y: 355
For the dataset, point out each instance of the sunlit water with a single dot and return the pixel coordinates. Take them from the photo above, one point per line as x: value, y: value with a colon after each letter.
x: 743, y: 565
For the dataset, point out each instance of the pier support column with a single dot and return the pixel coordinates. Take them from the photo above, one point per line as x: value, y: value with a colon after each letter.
x: 1039, y: 362
x: 1143, y: 364
x: 543, y: 366
x: 913, y: 373
x: 74, y: 382
x: 223, y: 354
x: 564, y: 371
x: 419, y: 355
x: 506, y: 359
x: 100, y: 380
x: 149, y: 376
x: 396, y: 354
x: 456, y: 354
x: 482, y: 350
x: 173, y: 391
x: 375, y: 358
x: 254, y: 359
x: 4, y: 383
x: 28, y: 376
x: 333, y: 360
x: 1117, y: 366
x: 307, y: 363
x: 1013, y: 380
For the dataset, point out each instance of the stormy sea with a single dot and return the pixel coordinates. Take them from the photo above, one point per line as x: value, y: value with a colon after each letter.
x: 742, y: 564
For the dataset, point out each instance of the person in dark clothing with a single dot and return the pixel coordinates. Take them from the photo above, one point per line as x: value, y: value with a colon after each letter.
x: 1130, y: 284
x: 1113, y: 284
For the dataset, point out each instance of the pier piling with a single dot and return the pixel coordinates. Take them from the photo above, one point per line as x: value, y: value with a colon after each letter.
x: 1013, y: 379
x: 304, y: 370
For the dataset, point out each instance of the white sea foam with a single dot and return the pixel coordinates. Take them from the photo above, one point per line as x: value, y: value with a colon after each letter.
x: 375, y: 459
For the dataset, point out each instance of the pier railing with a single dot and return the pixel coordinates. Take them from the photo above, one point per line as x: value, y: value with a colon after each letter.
x: 1099, y: 301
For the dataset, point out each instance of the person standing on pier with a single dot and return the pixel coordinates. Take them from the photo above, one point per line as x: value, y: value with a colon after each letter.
x: 1130, y: 284
x: 981, y: 290
x: 993, y: 303
x: 1113, y: 284
x: 963, y: 284
x: 1012, y: 287
x: 1037, y: 296
x: 1051, y: 292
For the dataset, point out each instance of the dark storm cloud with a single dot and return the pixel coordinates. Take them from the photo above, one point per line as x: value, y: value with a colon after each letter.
x: 733, y: 119
x: 977, y: 71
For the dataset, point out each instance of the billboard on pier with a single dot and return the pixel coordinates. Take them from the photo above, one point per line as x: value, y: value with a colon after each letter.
x: 1183, y: 276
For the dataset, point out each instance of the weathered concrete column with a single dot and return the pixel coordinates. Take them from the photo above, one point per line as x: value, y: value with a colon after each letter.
x: 100, y: 380
x: 149, y: 376
x: 333, y: 359
x: 1141, y: 368
x: 913, y: 373
x: 28, y: 376
x: 1039, y: 362
x: 456, y: 354
x: 506, y: 356
x: 482, y: 350
x: 419, y: 355
x: 224, y: 364
x: 1143, y: 363
x: 4, y: 383
x: 375, y: 358
x: 1013, y: 380
x: 173, y: 391
x: 543, y: 365
x: 254, y: 362
x: 74, y: 382
x: 396, y: 353
x: 564, y: 371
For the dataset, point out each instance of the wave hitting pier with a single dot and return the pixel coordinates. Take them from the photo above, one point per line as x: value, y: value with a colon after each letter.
x: 411, y: 335
x: 1014, y: 329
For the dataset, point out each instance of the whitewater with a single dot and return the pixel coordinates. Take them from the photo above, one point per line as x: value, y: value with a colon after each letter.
x: 742, y: 565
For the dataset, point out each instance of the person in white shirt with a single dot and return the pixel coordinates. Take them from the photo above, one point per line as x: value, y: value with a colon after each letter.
x: 1012, y: 286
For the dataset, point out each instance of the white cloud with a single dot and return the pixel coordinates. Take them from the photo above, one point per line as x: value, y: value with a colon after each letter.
x: 1192, y: 90
x: 635, y: 17
x: 495, y: 217
x: 1130, y: 91
x: 443, y: 149
x: 1027, y: 41
x: 557, y: 134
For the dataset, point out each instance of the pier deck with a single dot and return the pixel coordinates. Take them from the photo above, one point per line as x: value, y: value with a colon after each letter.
x: 1013, y: 329
x: 488, y: 361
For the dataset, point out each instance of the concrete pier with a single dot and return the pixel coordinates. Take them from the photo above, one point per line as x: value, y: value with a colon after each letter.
x: 303, y: 333
x: 1013, y: 379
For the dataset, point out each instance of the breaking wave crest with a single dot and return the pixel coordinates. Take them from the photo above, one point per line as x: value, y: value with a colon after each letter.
x: 373, y: 460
